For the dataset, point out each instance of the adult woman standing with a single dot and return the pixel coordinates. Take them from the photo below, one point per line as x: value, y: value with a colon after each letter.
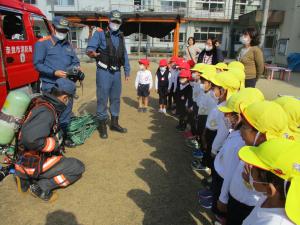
x: 192, y: 51
x: 251, y: 56
x: 210, y: 55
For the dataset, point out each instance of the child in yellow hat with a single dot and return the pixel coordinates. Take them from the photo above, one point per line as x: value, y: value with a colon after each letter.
x: 275, y: 174
x: 227, y: 159
x: 259, y: 124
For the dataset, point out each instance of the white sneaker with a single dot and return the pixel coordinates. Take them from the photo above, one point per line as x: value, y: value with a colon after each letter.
x: 164, y: 111
x: 160, y: 110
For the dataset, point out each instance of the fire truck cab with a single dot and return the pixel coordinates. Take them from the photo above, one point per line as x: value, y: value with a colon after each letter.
x: 21, y: 25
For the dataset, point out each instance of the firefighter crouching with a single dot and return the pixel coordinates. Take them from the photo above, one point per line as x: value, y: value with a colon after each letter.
x: 40, y: 166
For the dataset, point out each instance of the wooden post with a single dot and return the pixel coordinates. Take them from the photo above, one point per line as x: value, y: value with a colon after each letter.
x: 176, y: 39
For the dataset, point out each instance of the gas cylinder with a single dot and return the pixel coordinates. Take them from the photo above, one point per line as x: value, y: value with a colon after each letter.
x: 15, y: 106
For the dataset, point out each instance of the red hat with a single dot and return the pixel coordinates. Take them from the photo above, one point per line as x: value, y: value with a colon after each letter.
x: 179, y: 61
x: 185, y: 74
x: 173, y: 59
x: 144, y: 62
x: 184, y: 65
x: 163, y: 62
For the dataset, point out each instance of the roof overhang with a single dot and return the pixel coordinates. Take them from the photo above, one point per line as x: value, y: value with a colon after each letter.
x: 275, y: 18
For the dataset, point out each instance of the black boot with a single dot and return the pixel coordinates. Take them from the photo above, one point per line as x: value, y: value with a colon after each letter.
x: 114, y: 126
x: 102, y: 129
x: 37, y: 192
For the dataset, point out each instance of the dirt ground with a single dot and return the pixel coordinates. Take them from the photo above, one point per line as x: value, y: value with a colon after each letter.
x: 142, y: 177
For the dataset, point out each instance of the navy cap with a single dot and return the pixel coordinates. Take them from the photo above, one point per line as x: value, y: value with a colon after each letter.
x: 61, y: 23
x: 115, y: 15
x: 66, y: 85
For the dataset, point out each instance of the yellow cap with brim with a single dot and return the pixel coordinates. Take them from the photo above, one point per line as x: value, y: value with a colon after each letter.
x: 228, y: 81
x: 291, y: 106
x: 240, y: 74
x: 282, y: 158
x: 221, y: 66
x: 198, y: 67
x: 236, y: 64
x: 208, y: 72
x: 267, y: 117
x: 245, y: 96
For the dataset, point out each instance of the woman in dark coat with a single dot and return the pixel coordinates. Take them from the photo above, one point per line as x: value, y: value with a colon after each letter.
x: 211, y: 54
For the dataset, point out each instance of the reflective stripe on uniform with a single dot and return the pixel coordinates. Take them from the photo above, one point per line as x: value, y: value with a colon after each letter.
x: 61, y: 180
x: 47, y: 165
x: 51, y: 162
x: 49, y: 145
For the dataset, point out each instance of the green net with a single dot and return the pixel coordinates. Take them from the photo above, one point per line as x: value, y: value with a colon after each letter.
x: 81, y: 128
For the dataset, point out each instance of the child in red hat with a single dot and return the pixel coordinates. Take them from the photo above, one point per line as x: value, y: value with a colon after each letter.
x: 184, y: 98
x: 162, y: 81
x: 143, y: 84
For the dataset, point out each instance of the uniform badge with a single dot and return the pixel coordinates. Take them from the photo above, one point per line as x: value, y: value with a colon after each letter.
x: 64, y: 22
x: 213, y: 123
x: 162, y: 78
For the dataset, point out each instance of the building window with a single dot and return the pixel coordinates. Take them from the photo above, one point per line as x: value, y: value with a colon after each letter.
x: 210, y: 5
x: 172, y: 5
x: 203, y: 33
x: 170, y: 37
x: 30, y: 1
x: 61, y: 2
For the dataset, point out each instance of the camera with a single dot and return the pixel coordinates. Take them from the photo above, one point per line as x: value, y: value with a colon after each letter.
x: 75, y: 74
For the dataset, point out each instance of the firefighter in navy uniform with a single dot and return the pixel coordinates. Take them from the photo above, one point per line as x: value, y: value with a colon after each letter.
x: 40, y: 165
x: 54, y: 56
x: 108, y: 48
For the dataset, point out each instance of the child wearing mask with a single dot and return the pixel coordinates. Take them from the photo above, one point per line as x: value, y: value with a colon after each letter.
x: 143, y: 84
x: 275, y: 174
x: 162, y: 80
x: 193, y: 116
x: 173, y: 81
x: 185, y: 98
x: 227, y: 158
x: 258, y: 126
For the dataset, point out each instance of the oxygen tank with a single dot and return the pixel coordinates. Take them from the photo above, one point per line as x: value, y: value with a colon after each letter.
x: 15, y: 106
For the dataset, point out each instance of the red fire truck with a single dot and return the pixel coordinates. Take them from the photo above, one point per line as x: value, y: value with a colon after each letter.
x: 21, y: 25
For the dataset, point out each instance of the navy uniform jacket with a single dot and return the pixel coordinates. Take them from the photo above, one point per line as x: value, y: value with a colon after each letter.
x: 51, y: 54
x: 98, y: 41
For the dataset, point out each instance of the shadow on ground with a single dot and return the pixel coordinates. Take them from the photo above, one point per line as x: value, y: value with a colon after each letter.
x: 172, y: 199
x: 61, y: 217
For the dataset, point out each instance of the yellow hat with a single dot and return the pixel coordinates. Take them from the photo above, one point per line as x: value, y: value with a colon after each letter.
x: 236, y: 64
x: 282, y: 158
x: 208, y: 72
x: 291, y: 106
x: 245, y: 96
x: 267, y: 117
x: 198, y: 67
x: 221, y: 66
x: 228, y: 81
x: 240, y: 74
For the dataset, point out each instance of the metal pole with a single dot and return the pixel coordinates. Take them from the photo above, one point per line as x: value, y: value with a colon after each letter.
x: 264, y: 23
x: 230, y: 42
x: 139, y: 46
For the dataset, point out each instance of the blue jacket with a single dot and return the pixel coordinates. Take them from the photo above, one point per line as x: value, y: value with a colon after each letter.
x: 50, y: 55
x: 98, y: 41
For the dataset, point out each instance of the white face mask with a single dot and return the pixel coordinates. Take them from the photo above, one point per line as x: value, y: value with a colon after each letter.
x: 245, y: 40
x: 60, y: 36
x: 228, y: 124
x: 142, y: 67
x: 213, y: 95
x: 251, y: 183
x: 183, y: 80
x: 162, y: 69
x: 114, y: 26
x: 202, y: 86
x: 208, y: 48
